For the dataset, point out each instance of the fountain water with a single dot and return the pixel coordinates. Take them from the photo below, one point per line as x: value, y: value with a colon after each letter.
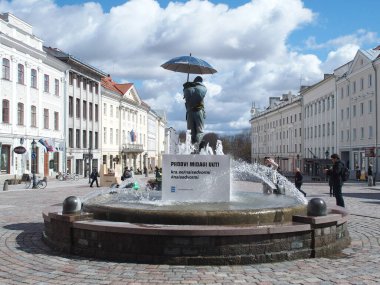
x: 250, y: 227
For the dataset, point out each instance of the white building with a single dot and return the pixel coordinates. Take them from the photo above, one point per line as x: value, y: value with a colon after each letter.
x: 82, y: 118
x: 319, y: 125
x: 31, y: 96
x: 124, y: 125
x: 277, y: 132
x: 357, y: 109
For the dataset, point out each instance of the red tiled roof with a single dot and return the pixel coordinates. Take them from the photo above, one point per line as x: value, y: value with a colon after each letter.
x: 108, y: 83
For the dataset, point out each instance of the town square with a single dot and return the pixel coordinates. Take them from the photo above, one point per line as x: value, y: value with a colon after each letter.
x: 189, y: 142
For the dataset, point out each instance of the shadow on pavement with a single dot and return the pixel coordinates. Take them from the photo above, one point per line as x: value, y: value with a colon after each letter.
x: 372, y: 196
x: 30, y: 240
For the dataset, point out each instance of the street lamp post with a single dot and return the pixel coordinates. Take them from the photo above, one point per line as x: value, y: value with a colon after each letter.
x: 34, y: 164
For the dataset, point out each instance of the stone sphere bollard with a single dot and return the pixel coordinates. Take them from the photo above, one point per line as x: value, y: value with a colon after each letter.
x: 316, y: 207
x: 72, y: 205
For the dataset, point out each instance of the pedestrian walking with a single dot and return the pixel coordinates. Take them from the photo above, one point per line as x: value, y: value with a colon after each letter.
x: 336, y: 173
x: 298, y: 180
x: 94, y: 176
x: 370, y: 175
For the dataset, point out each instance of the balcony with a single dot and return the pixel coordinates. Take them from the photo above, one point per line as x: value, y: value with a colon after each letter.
x: 132, y: 148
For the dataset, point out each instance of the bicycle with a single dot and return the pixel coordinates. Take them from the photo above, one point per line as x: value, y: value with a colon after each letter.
x: 40, y: 183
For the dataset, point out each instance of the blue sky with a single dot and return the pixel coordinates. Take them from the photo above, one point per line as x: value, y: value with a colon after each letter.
x: 261, y: 48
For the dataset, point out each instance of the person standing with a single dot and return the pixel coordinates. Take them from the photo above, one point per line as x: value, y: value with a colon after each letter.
x: 194, y: 93
x: 370, y: 175
x: 94, y: 176
x: 336, y: 173
x: 298, y: 180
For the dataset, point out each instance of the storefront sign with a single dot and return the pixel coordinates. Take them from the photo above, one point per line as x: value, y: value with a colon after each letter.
x: 19, y: 149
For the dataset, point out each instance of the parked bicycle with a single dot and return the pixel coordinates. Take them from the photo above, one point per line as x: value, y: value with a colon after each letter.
x: 67, y: 176
x: 40, y: 183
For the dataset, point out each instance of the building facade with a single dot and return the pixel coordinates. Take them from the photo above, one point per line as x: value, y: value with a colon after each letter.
x: 31, y: 96
x: 340, y: 115
x: 277, y: 132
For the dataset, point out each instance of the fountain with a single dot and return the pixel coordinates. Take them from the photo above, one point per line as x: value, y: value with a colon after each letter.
x: 243, y: 226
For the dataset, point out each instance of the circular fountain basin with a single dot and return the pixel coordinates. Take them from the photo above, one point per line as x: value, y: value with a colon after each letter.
x: 244, y: 209
x: 251, y: 228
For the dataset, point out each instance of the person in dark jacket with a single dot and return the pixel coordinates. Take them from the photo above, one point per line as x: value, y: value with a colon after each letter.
x: 370, y: 175
x: 194, y: 93
x: 94, y: 176
x: 336, y: 178
x: 298, y: 180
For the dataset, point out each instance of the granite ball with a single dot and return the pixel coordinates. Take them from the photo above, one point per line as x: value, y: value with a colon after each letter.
x: 72, y: 205
x: 316, y: 207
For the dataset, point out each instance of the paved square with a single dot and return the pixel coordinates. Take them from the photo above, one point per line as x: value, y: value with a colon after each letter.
x: 25, y: 259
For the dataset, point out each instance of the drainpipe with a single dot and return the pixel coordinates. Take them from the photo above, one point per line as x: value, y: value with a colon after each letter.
x: 376, y: 116
x: 65, y: 99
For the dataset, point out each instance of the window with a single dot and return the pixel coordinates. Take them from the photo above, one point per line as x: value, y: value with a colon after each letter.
x: 33, y: 116
x: 370, y: 132
x: 77, y: 138
x: 104, y: 109
x: 361, y: 109
x: 348, y: 112
x: 361, y: 133
x: 361, y: 83
x: 96, y: 113
x: 111, y: 136
x: 20, y: 114
x: 370, y: 106
x: 354, y: 110
x: 96, y: 140
x: 56, y: 121
x: 354, y: 87
x: 84, y: 138
x: 341, y: 93
x: 5, y: 112
x: 84, y: 105
x: 20, y: 73
x: 71, y: 106
x: 78, y: 81
x: 90, y: 111
x: 33, y: 78
x: 90, y: 145
x: 71, y: 138
x: 46, y: 83
x: 341, y: 135
x: 332, y: 102
x: 117, y: 136
x: 6, y: 69
x: 332, y: 128
x: 46, y: 118
x: 111, y: 111
x: 354, y: 134
x: 96, y: 88
x: 369, y: 80
x: 77, y: 108
x: 105, y: 135
x: 348, y: 90
x: 341, y: 114
x: 328, y: 129
x: 84, y: 85
x: 56, y: 87
x: 71, y: 78
x: 347, y: 135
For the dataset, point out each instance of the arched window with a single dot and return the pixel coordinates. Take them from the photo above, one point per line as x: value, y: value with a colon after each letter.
x: 5, y: 111
x: 20, y: 114
x: 20, y: 74
x: 6, y: 69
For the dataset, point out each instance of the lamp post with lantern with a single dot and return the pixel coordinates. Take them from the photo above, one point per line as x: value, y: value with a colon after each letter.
x: 34, y: 164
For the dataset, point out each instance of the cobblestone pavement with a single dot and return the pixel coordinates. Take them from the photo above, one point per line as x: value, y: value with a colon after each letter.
x: 25, y: 259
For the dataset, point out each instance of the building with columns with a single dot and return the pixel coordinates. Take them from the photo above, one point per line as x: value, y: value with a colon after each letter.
x: 32, y: 93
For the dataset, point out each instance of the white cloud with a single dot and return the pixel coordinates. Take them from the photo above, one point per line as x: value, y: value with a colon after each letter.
x: 247, y: 45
